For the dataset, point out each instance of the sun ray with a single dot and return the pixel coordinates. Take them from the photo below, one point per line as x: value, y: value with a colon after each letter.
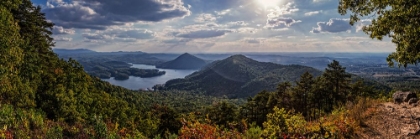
x: 269, y: 3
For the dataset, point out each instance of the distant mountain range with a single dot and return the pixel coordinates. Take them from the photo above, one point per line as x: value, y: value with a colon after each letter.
x: 239, y: 76
x: 72, y: 51
x: 86, y: 55
x: 184, y: 61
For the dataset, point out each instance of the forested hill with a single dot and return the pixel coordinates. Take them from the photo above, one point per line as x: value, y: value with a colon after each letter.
x: 43, y: 96
x: 239, y: 76
x: 184, y: 61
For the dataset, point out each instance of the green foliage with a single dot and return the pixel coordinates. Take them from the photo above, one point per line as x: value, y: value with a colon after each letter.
x: 304, y: 96
x: 397, y: 19
x: 254, y: 132
x: 197, y: 130
x: 256, y: 109
x: 282, y: 123
x: 99, y: 127
x: 168, y: 117
x: 11, y: 59
x: 149, y: 125
x: 222, y: 113
x: 312, y: 97
x: 336, y: 84
x: 55, y: 132
x: 276, y: 126
x: 7, y: 116
x: 41, y: 94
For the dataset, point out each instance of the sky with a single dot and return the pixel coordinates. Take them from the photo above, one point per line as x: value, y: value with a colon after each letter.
x: 207, y: 26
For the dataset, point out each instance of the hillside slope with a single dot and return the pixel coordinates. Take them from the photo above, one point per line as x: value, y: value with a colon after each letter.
x: 239, y: 76
x: 392, y: 121
x: 184, y: 61
x: 43, y: 96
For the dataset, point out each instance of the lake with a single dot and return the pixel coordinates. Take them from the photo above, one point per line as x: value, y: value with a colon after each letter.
x: 136, y: 83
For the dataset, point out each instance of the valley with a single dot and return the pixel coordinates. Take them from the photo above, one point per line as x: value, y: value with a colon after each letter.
x: 191, y: 69
x: 369, y: 66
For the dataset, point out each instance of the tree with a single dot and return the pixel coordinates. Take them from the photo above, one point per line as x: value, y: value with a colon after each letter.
x: 397, y: 19
x: 168, y: 118
x: 256, y: 108
x: 9, y: 42
x: 303, y: 93
x: 282, y: 95
x: 337, y: 81
x: 222, y: 113
x: 283, y: 124
x: 320, y: 96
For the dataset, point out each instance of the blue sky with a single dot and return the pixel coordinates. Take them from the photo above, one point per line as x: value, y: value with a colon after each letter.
x: 207, y: 26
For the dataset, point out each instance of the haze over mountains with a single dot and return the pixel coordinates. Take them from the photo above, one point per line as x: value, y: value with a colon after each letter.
x: 368, y: 66
x: 239, y: 76
x: 86, y: 55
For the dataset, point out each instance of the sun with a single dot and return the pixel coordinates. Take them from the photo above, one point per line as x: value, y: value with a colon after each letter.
x: 269, y: 3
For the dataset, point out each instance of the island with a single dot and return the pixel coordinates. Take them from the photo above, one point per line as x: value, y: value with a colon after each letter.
x: 117, y: 69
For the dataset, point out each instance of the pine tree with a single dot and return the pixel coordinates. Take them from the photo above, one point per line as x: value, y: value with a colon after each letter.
x: 14, y: 90
x: 338, y: 81
x: 303, y: 93
x: 283, y: 95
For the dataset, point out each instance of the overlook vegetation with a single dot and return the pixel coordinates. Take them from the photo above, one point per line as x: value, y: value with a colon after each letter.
x: 396, y: 19
x: 43, y: 96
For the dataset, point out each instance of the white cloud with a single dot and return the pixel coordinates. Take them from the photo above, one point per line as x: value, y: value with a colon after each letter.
x: 247, y: 30
x: 223, y: 12
x: 312, y: 13
x: 96, y: 36
x: 204, y: 26
x: 57, y: 30
x: 204, y: 18
x: 362, y: 23
x: 279, y: 11
x: 280, y: 22
x: 237, y: 24
x: 203, y: 34
x: 62, y: 39
x: 334, y: 25
x: 118, y: 34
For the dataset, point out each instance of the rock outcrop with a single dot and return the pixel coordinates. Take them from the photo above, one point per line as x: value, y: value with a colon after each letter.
x: 395, y: 121
x: 413, y: 101
x: 400, y: 97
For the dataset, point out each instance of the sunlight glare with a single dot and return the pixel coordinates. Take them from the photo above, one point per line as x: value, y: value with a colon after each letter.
x: 269, y: 3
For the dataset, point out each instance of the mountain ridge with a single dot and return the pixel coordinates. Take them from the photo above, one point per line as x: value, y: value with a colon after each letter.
x: 239, y: 76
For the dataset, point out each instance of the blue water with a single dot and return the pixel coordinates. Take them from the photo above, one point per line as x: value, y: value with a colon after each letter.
x: 136, y: 83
